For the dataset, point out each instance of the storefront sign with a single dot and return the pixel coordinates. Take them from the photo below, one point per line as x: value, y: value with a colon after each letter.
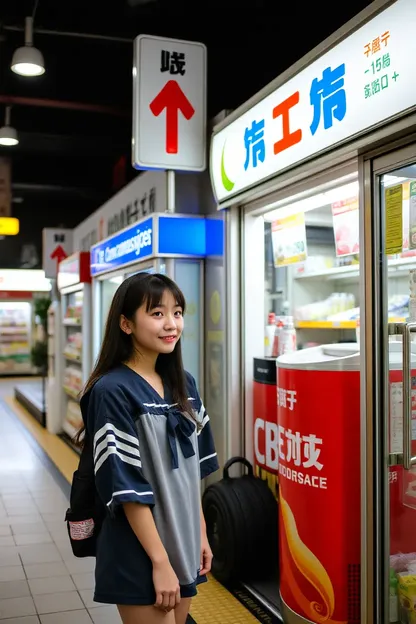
x: 144, y: 196
x: 319, y: 493
x: 362, y: 82
x: 289, y: 240
x: 161, y: 235
x: 132, y: 245
x: 346, y: 223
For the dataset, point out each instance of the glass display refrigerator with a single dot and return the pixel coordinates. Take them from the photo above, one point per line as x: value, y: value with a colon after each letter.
x: 171, y: 244
x: 74, y: 284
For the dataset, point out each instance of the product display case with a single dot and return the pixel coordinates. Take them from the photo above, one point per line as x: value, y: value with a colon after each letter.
x: 312, y: 268
x: 74, y: 283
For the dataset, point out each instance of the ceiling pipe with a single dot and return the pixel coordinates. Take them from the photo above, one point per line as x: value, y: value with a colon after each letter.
x: 61, y: 33
x: 10, y: 100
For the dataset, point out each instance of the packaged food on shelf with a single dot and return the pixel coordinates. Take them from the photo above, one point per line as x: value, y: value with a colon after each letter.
x: 74, y: 312
x: 73, y: 380
x: 269, y: 334
x: 337, y: 303
x: 73, y: 415
x: 73, y: 347
x: 315, y: 264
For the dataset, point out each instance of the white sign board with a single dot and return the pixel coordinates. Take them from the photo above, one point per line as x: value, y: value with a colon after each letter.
x: 169, y: 104
x: 143, y: 196
x: 361, y: 82
x: 56, y: 246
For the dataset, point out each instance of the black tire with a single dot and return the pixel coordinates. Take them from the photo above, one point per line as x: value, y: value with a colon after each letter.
x: 242, y: 526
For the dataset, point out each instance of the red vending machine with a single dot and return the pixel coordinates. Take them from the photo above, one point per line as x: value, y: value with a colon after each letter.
x: 266, y: 455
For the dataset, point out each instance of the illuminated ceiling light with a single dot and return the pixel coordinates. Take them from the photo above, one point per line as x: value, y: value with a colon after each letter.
x: 27, y: 60
x: 8, y: 135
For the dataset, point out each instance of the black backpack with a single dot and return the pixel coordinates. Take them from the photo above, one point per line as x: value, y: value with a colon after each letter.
x: 86, y: 513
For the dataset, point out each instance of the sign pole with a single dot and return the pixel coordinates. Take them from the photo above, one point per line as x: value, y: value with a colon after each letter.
x: 171, y: 190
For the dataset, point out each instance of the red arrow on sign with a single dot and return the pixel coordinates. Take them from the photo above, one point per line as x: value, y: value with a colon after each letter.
x: 174, y: 100
x: 58, y: 254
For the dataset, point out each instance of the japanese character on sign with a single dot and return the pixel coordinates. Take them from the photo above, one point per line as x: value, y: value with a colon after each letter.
x: 254, y: 143
x: 289, y: 138
x: 311, y: 451
x: 375, y: 45
x: 172, y: 62
x: 300, y: 450
x: 294, y: 447
x: 281, y: 397
x: 385, y: 38
x: 286, y: 398
x: 328, y: 96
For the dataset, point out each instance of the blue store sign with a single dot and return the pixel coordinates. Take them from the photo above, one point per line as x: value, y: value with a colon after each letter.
x: 160, y: 235
x: 126, y: 247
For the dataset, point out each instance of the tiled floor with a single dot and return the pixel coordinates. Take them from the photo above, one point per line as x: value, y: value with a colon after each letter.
x: 40, y: 580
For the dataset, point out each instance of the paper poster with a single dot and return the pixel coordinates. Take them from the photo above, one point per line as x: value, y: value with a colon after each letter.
x: 289, y: 240
x: 346, y: 222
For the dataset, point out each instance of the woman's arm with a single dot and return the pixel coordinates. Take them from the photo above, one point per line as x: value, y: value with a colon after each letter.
x: 165, y: 580
x: 206, y: 552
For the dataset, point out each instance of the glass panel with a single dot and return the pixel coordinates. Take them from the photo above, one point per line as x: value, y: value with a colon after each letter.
x: 188, y: 278
x: 311, y: 322
x: 108, y: 290
x: 398, y: 206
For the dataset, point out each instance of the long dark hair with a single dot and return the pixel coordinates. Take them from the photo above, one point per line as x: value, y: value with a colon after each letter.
x: 117, y: 347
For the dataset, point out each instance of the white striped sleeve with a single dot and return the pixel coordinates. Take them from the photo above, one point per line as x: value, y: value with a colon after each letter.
x: 117, y: 461
x: 208, y: 460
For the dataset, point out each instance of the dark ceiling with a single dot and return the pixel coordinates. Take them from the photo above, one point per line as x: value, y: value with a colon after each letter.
x: 74, y: 122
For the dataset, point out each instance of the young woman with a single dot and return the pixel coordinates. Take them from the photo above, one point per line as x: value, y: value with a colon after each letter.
x: 152, y: 445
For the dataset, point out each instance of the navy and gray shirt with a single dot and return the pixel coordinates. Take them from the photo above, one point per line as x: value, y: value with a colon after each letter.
x: 147, y: 451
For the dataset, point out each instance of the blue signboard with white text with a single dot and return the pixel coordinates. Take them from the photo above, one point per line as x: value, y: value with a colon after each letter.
x: 126, y: 247
x: 174, y: 235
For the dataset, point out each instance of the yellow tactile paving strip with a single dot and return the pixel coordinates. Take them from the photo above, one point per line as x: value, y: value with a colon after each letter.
x: 214, y: 604
x: 64, y: 458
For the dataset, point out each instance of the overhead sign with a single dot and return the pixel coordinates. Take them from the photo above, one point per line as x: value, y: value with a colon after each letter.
x: 169, y: 104
x: 56, y: 246
x: 160, y: 236
x: 360, y: 83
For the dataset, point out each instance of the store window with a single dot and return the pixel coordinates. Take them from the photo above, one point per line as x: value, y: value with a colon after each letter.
x: 312, y: 269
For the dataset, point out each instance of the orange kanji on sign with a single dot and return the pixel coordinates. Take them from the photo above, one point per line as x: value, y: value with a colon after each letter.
x: 385, y: 37
x: 289, y: 138
x: 375, y: 46
x: 367, y: 49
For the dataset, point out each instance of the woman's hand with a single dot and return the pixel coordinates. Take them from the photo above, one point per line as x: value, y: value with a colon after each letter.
x: 206, y: 555
x: 166, y: 586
